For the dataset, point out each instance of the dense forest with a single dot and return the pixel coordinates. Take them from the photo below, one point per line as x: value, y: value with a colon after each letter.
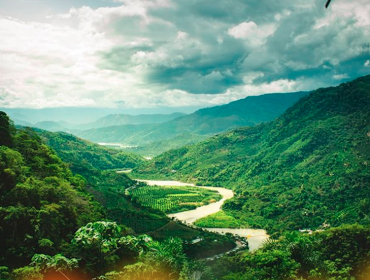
x: 308, y: 168
x: 52, y: 226
x: 42, y: 202
x: 65, y: 212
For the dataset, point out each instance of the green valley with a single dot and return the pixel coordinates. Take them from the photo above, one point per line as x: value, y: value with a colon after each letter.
x: 307, y: 168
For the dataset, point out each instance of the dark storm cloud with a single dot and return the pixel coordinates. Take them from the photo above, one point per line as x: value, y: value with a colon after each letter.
x: 211, y: 46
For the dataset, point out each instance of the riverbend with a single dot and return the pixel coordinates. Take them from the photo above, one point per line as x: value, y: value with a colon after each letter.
x: 255, y: 236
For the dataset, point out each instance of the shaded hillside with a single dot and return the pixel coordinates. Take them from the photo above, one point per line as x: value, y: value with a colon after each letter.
x: 308, y: 167
x: 50, y: 126
x: 78, y: 152
x: 249, y: 111
x: 157, y: 147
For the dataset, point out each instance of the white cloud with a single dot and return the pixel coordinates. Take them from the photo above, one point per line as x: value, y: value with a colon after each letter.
x: 282, y: 85
x: 244, y: 30
x: 340, y: 76
x: 367, y: 63
x: 254, y: 34
x: 156, y: 59
x: 43, y: 65
x: 182, y: 35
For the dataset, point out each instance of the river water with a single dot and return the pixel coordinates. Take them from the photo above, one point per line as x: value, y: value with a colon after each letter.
x: 255, y: 236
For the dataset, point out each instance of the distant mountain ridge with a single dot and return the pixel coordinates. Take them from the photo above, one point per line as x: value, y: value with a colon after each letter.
x: 245, y: 112
x: 84, y: 115
x: 108, y: 120
x: 123, y: 119
x: 49, y: 125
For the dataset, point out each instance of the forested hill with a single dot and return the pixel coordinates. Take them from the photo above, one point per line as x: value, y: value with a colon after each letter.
x: 248, y: 111
x: 309, y: 166
x: 81, y: 154
x: 42, y: 203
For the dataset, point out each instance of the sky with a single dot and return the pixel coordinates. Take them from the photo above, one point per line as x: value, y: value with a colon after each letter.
x: 175, y: 53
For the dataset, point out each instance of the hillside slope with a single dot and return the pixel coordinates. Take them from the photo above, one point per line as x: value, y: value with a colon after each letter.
x: 308, y: 167
x: 249, y: 111
x: 42, y: 203
x: 78, y: 152
x: 97, y: 164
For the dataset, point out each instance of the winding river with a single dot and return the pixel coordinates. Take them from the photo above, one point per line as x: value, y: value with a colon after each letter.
x: 255, y: 236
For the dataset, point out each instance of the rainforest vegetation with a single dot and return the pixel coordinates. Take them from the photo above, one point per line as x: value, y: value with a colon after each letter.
x: 67, y: 214
x: 51, y: 224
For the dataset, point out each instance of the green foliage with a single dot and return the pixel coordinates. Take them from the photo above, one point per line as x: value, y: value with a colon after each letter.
x: 98, y: 245
x: 308, y: 167
x: 94, y: 244
x: 58, y: 263
x: 169, y: 254
x: 27, y: 273
x: 172, y: 199
x: 6, y: 130
x: 218, y: 220
x: 163, y: 261
x: 4, y: 273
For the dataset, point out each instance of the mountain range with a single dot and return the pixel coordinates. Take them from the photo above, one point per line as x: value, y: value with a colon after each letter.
x: 108, y: 120
x: 249, y: 111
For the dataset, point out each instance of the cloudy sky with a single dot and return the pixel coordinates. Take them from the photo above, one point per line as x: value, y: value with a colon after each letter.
x: 153, y: 53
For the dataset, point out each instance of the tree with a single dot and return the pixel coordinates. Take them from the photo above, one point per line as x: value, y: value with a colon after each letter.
x: 57, y: 263
x: 5, y: 130
x: 97, y: 244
